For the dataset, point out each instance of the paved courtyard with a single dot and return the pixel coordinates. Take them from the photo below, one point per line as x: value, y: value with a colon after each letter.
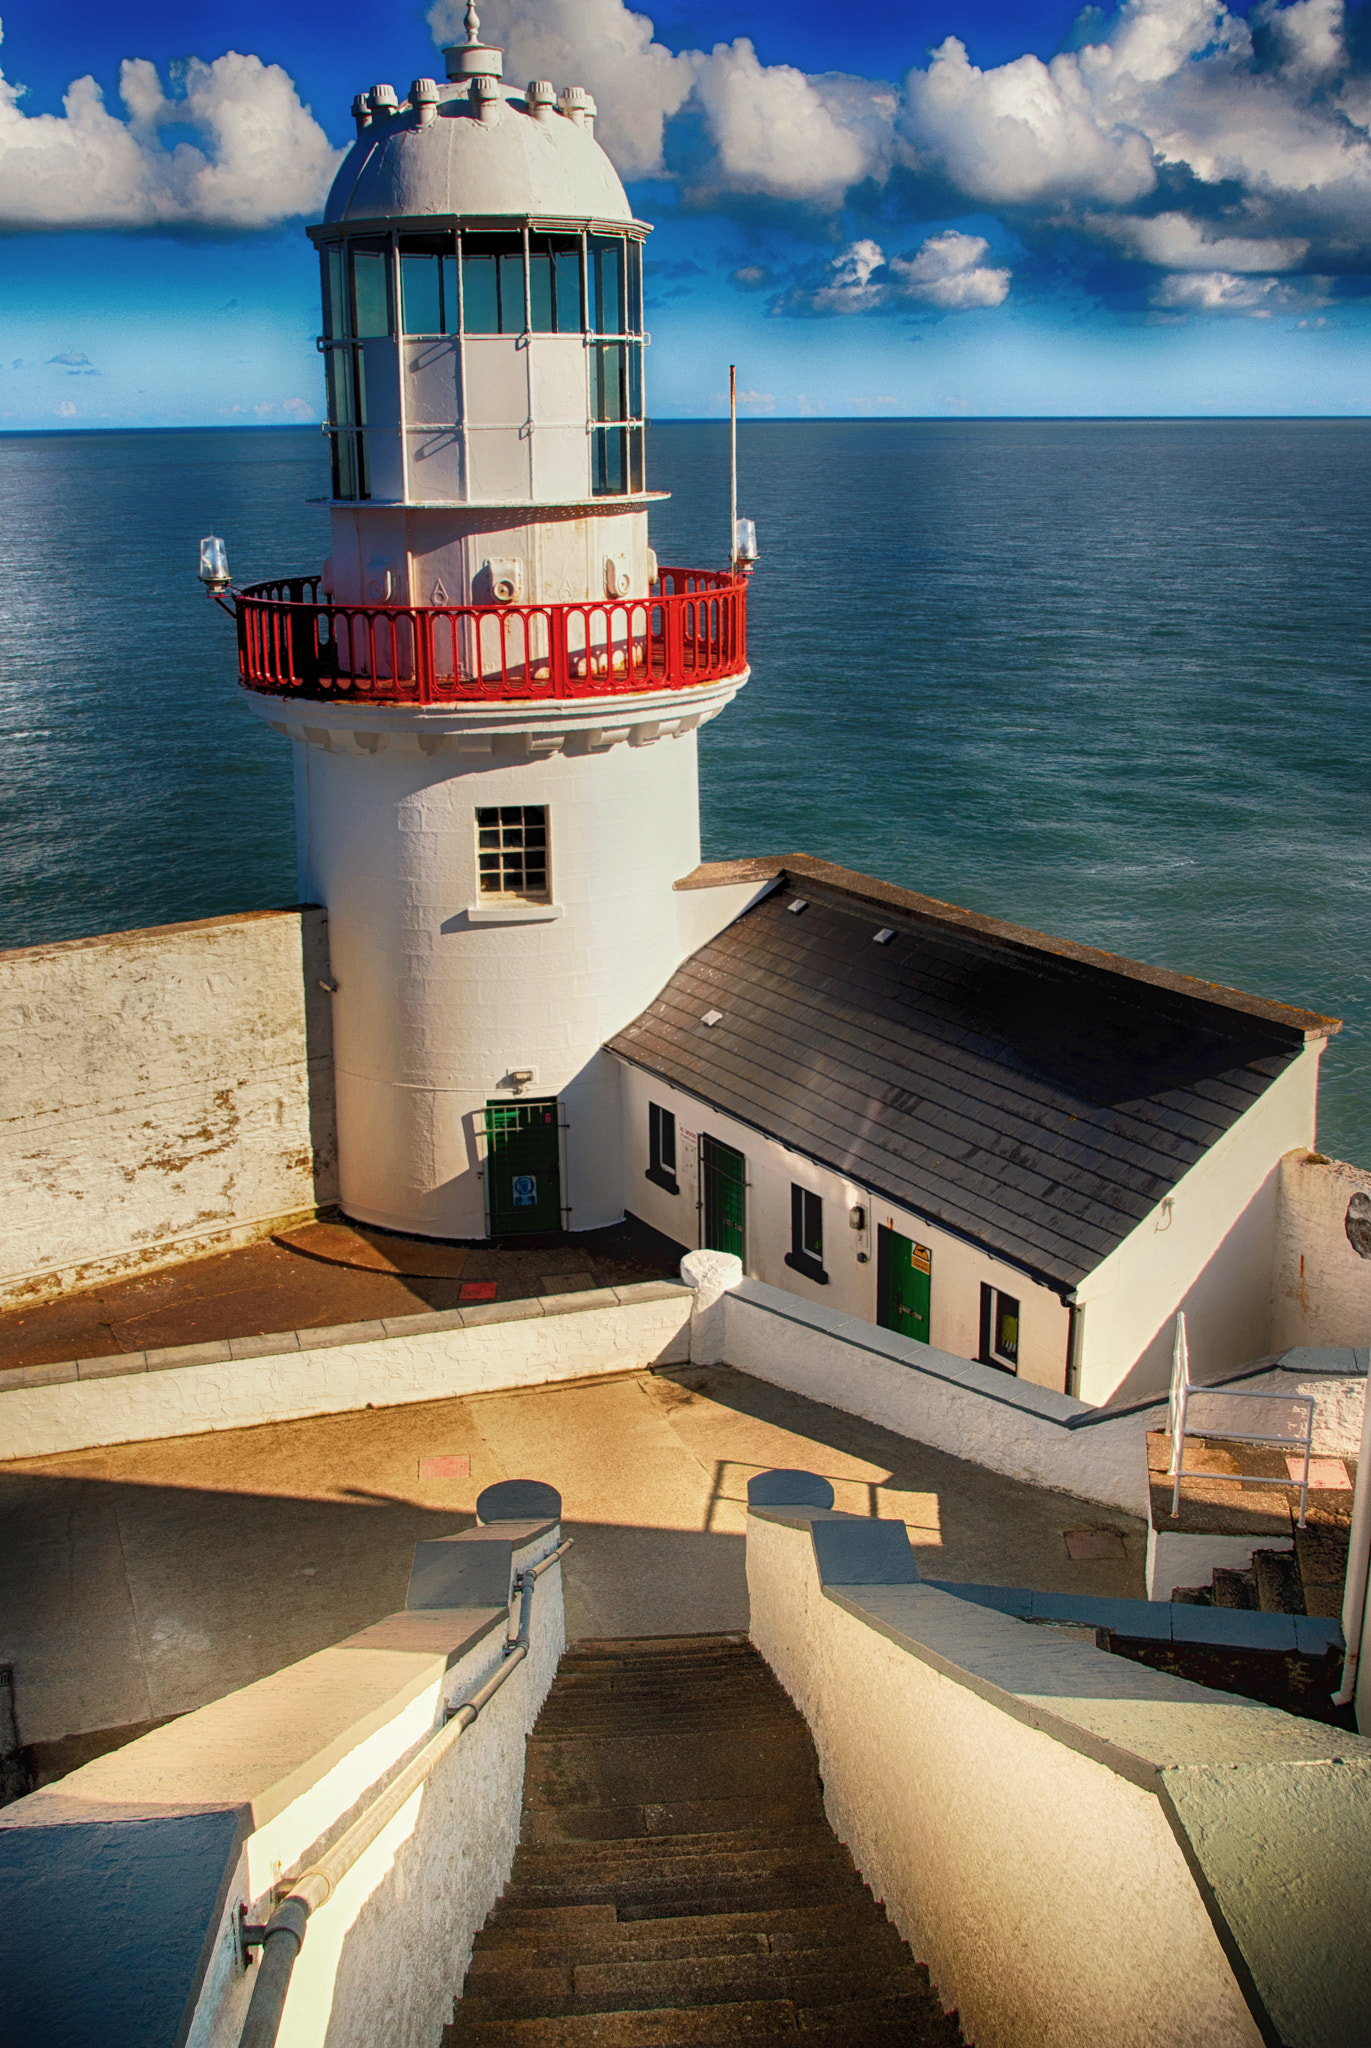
x: 147, y: 1579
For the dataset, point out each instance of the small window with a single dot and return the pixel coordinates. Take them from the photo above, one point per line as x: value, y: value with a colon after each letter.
x: 806, y: 1254
x: 999, y: 1329
x: 511, y: 851
x: 370, y: 289
x: 428, y: 284
x: 493, y: 284
x: 661, y: 1148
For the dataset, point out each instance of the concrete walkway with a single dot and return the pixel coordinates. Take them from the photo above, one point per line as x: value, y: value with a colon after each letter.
x: 147, y: 1579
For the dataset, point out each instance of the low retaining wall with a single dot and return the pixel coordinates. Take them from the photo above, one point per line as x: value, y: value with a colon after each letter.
x: 123, y: 1881
x: 168, y: 1093
x: 1081, y: 1849
x: 247, y: 1380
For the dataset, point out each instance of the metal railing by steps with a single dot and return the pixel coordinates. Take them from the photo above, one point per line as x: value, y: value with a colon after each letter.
x: 677, y: 1879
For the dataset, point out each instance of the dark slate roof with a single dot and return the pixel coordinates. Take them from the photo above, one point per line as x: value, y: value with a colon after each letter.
x: 1034, y: 1096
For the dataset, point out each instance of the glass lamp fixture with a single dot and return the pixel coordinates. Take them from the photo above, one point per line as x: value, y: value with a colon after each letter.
x: 745, y: 543
x: 214, y: 568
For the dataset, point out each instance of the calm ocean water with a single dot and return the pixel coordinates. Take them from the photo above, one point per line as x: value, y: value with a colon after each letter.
x: 1106, y: 678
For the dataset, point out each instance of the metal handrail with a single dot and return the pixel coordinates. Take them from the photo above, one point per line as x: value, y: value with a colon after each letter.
x: 1182, y: 1388
x: 690, y: 629
x: 282, y: 1937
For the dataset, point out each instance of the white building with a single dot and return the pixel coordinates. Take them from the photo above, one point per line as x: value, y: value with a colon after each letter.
x: 547, y: 1014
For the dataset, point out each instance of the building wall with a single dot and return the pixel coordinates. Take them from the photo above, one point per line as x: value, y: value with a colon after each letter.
x: 958, y: 1269
x: 168, y: 1093
x: 1320, y: 1288
x: 1210, y: 1250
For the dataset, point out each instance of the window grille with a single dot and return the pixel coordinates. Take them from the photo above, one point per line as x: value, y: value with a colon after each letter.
x: 511, y: 851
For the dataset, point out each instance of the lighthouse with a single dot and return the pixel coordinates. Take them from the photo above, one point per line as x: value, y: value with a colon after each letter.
x: 493, y: 690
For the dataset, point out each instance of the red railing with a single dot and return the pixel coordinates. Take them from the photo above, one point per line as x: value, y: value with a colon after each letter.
x: 691, y: 629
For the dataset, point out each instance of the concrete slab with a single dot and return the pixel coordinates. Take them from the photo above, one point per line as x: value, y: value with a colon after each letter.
x: 151, y: 1578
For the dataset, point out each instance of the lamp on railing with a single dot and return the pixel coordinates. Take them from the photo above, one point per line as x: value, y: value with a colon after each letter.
x: 745, y: 545
x: 214, y: 568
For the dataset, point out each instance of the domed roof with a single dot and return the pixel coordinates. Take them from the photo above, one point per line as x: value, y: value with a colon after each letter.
x: 443, y: 157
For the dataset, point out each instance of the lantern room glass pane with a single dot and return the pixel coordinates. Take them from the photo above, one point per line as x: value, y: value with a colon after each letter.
x: 606, y: 263
x: 554, y: 285
x: 566, y: 259
x: 633, y: 319
x: 335, y: 298
x: 428, y: 284
x: 512, y: 292
x: 480, y: 293
x: 370, y: 289
x: 493, y: 284
x: 340, y: 406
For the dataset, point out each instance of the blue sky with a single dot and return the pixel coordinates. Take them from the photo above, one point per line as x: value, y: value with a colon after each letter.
x: 980, y: 209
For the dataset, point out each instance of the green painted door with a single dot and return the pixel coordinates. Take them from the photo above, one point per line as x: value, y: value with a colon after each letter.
x: 722, y: 1178
x: 904, y: 1279
x: 523, y: 1167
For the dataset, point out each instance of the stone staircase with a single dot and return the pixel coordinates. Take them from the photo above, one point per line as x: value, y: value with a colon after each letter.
x: 676, y: 1880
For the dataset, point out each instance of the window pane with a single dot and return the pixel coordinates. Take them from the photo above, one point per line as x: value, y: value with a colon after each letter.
x: 480, y: 299
x: 370, y: 296
x: 633, y: 319
x: 449, y: 266
x: 607, y: 468
x: 359, y: 383
x: 487, y: 817
x: 421, y: 299
x: 813, y: 1226
x: 570, y: 310
x: 344, y: 468
x: 512, y: 293
x: 1007, y: 1327
x: 607, y: 282
x: 541, y: 310
x: 668, y: 1141
x: 335, y: 303
x: 635, y: 458
x: 609, y: 381
x: 634, y: 409
x: 340, y: 386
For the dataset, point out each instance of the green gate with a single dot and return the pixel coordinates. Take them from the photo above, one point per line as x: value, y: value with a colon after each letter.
x: 523, y: 1167
x: 904, y: 1282
x: 722, y: 1182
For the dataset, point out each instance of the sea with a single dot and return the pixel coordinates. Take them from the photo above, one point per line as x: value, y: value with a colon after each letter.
x: 1109, y: 679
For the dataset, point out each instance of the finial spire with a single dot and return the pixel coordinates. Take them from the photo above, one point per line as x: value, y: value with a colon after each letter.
x: 473, y: 23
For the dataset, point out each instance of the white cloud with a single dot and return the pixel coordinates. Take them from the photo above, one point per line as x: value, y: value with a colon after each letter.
x: 948, y: 272
x: 1175, y: 242
x: 1219, y: 291
x: 66, y: 410
x: 260, y: 156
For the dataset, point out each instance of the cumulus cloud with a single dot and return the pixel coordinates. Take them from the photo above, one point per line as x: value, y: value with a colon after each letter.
x: 1178, y: 136
x: 71, y: 358
x: 1219, y: 291
x: 948, y: 272
x: 259, y: 156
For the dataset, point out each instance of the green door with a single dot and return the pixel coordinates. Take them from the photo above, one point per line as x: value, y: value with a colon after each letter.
x: 523, y: 1167
x: 722, y: 1177
x: 904, y: 1276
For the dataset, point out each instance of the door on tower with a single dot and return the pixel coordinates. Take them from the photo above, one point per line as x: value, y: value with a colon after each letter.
x: 523, y: 1167
x: 722, y: 1185
x: 904, y: 1276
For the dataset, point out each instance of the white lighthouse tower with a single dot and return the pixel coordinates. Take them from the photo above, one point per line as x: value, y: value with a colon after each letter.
x: 493, y: 690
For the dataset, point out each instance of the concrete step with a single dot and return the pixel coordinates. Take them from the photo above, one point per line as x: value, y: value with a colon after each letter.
x: 1235, y: 1588
x: 801, y: 1807
x: 1277, y: 1574
x: 591, y: 1927
x: 669, y: 2028
x: 807, y: 1980
x: 669, y: 1941
x: 702, y: 1887
x: 734, y: 1848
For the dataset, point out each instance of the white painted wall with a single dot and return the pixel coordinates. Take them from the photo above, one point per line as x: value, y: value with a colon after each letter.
x: 582, y: 1337
x: 168, y: 1093
x: 1210, y: 1252
x: 958, y: 1269
x: 1320, y: 1289
x: 1005, y: 1793
x: 442, y: 996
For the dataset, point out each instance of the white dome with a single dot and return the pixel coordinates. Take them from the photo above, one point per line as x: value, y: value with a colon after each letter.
x: 518, y: 164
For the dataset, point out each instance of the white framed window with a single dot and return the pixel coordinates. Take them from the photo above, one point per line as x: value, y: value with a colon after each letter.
x: 512, y: 852
x: 661, y: 1148
x: 806, y: 1254
x: 999, y: 1328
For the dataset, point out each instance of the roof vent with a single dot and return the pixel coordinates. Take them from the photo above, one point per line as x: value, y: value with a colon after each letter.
x: 361, y: 112
x: 381, y: 99
x: 575, y: 102
x: 800, y: 903
x: 540, y: 97
x: 487, y: 96
x: 423, y: 97
x: 883, y: 936
x: 712, y: 1017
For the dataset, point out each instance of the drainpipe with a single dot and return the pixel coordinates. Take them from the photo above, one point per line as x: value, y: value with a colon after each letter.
x: 1075, y: 1345
x: 1358, y: 1562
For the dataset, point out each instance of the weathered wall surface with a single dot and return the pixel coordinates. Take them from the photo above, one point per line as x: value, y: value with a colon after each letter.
x: 167, y: 1093
x: 1320, y: 1289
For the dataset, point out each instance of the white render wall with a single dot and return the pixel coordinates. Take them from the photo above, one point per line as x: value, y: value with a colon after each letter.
x: 168, y: 1093
x: 443, y: 996
x: 1321, y: 1289
x: 1210, y: 1251
x: 958, y: 1269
